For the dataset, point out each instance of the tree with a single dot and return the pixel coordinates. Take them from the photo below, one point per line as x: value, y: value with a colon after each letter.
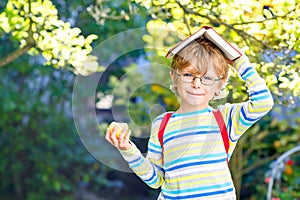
x: 35, y: 27
x: 41, y: 154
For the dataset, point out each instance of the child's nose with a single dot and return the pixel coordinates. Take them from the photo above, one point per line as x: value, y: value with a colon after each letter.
x: 197, y: 83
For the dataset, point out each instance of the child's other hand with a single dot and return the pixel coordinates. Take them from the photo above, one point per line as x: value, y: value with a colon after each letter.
x: 118, y: 138
x: 231, y: 62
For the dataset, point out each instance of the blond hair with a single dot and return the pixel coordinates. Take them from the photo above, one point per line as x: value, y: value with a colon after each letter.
x: 202, y: 54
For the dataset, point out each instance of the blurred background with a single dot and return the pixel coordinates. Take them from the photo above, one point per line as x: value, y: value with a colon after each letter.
x: 46, y: 45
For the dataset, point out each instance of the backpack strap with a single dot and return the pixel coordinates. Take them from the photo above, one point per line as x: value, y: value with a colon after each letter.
x: 161, y: 131
x: 222, y: 127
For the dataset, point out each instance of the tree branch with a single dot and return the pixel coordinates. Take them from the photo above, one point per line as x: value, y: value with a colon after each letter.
x: 187, y: 23
x: 14, y: 55
x: 267, y: 19
x: 259, y: 162
x: 21, y: 51
x: 242, y: 33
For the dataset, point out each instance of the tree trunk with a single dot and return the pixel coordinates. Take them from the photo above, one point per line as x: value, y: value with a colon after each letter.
x: 236, y: 166
x: 17, y: 185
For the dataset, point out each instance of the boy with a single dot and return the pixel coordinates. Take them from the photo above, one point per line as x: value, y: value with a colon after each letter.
x: 193, y: 162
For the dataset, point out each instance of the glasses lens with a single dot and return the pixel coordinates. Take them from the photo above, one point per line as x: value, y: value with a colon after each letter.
x: 187, y: 77
x: 207, y: 80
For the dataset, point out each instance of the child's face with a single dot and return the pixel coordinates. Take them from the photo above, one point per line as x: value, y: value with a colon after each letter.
x: 195, y: 95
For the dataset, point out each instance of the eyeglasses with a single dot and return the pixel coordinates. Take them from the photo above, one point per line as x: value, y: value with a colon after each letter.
x: 189, y: 78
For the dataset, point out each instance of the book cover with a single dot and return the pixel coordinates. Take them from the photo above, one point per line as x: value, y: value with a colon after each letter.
x: 208, y: 32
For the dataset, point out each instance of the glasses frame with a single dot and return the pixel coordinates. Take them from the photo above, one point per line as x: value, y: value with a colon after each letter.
x: 195, y: 77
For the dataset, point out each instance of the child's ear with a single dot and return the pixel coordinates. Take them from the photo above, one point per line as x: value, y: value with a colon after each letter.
x: 172, y: 75
x: 217, y: 93
x: 219, y: 85
x: 224, y: 81
x: 173, y: 85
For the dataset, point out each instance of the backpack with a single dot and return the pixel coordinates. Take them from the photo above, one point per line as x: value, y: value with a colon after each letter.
x: 219, y: 119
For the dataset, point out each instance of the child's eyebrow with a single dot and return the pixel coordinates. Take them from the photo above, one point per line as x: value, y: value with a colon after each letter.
x: 197, y: 73
x: 210, y: 74
x: 188, y: 71
x: 192, y: 71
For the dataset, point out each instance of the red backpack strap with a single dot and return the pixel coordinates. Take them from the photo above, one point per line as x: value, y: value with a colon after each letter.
x: 222, y: 126
x: 161, y: 131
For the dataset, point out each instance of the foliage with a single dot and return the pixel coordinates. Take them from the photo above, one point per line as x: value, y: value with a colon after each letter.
x: 36, y: 27
x: 114, y: 17
x: 290, y: 185
x: 41, y: 155
x: 287, y: 184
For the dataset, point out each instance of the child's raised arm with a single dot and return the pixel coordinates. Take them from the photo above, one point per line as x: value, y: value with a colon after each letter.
x: 239, y: 117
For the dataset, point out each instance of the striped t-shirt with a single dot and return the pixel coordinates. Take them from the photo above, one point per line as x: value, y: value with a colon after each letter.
x: 195, y: 165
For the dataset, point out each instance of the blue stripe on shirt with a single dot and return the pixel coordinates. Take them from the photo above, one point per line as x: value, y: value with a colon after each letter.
x: 154, y: 151
x: 134, y: 165
x: 195, y: 163
x: 191, y: 134
x: 152, y: 177
x: 133, y: 161
x: 247, y: 118
x: 245, y: 123
x: 184, y: 159
x: 246, y: 70
x: 155, y: 146
x: 209, y: 187
x: 191, y: 128
x: 199, y: 195
x: 258, y: 92
x: 230, y: 125
x: 250, y: 73
x: 260, y: 98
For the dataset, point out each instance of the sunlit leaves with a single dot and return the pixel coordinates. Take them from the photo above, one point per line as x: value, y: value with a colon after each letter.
x: 4, y: 23
x: 61, y: 45
x: 89, y: 66
x: 146, y: 3
x: 289, y: 79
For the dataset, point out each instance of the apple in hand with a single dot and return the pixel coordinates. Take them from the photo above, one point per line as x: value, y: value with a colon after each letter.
x: 119, y: 126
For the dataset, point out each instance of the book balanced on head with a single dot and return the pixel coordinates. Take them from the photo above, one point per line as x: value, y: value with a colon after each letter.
x: 208, y: 32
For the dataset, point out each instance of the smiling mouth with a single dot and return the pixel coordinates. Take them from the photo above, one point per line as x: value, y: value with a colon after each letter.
x: 195, y: 94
